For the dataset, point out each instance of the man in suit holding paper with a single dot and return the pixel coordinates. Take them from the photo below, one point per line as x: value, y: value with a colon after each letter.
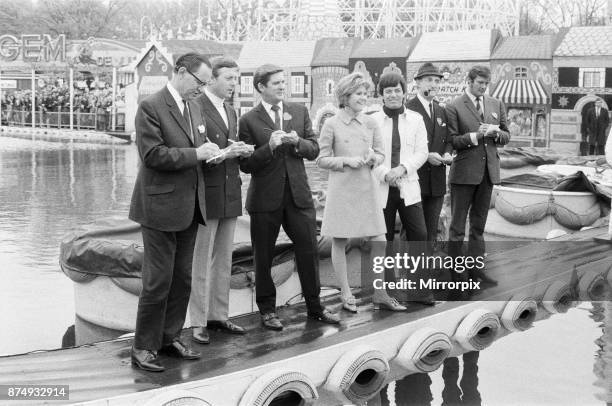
x: 212, y: 258
x: 279, y: 193
x: 168, y: 202
x: 476, y: 125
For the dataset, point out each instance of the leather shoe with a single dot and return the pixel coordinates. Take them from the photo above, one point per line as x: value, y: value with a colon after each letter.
x: 225, y: 326
x: 200, y: 335
x: 271, y: 321
x: 179, y: 350
x: 325, y: 317
x: 146, y: 360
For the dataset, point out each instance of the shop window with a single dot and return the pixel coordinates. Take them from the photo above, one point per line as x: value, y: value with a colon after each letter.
x: 246, y: 85
x: 297, y: 85
x: 520, y: 72
x: 568, y: 77
x: 329, y: 87
x: 591, y: 77
x: 608, y: 78
x: 519, y: 122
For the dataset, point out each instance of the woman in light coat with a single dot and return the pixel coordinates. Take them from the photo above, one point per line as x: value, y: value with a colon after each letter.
x: 350, y: 146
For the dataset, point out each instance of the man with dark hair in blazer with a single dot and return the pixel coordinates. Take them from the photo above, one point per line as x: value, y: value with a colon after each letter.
x: 597, y: 120
x: 168, y: 202
x: 212, y: 258
x: 476, y: 125
x: 432, y: 175
x: 279, y: 193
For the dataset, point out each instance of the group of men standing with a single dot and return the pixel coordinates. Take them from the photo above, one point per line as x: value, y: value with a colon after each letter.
x: 187, y: 195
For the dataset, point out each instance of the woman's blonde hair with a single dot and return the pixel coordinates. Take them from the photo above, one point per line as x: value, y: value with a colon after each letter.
x: 348, y: 85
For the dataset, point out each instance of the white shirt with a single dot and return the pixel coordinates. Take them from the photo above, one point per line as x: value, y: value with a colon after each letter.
x: 473, y: 136
x: 270, y: 112
x: 473, y: 99
x: 218, y: 103
x: 179, y: 102
x: 176, y: 96
x: 425, y: 104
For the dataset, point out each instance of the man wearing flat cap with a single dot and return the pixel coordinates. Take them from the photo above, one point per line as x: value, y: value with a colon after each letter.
x: 432, y: 175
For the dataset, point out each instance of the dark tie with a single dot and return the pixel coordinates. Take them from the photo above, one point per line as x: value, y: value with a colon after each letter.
x: 431, y: 111
x: 479, y: 108
x: 277, y: 122
x: 187, y: 118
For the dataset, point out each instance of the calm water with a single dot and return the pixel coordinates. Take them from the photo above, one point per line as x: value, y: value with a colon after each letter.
x: 49, y: 189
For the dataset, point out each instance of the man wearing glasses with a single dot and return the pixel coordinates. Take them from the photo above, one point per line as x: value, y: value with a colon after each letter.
x: 168, y: 201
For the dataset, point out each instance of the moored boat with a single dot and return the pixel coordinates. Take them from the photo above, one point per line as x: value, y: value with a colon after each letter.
x: 323, y: 364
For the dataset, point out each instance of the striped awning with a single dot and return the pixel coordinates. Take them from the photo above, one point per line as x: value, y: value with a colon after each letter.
x: 520, y: 91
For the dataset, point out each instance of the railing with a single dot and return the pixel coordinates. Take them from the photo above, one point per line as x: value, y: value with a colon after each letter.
x: 99, y: 121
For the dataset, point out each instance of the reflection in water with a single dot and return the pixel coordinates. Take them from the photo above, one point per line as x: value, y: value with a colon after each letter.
x: 415, y: 389
x: 602, y: 313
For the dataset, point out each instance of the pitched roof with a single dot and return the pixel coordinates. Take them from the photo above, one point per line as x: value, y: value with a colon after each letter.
x: 288, y: 54
x: 178, y: 47
x: 475, y: 45
x: 383, y: 48
x: 525, y: 47
x: 333, y: 51
x: 586, y: 41
x: 171, y: 49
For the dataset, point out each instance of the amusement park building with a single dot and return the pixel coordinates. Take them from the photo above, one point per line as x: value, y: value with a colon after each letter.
x: 582, y: 73
x: 329, y: 63
x: 373, y: 57
x: 293, y: 56
x: 454, y: 53
x: 521, y: 76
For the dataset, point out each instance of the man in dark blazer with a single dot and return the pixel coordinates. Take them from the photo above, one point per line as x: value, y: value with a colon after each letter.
x: 212, y: 258
x: 279, y: 193
x: 597, y: 120
x: 476, y: 125
x: 432, y: 175
x: 168, y: 202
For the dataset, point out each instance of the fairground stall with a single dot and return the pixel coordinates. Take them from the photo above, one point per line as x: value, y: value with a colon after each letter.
x: 454, y: 53
x: 521, y: 76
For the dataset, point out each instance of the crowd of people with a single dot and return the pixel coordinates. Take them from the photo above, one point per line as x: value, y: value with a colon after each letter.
x: 187, y: 194
x: 16, y: 105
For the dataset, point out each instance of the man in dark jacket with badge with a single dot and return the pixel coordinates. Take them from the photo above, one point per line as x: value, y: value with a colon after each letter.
x: 432, y: 175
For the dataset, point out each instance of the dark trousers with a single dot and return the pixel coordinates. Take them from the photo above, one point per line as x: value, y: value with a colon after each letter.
x: 413, y: 226
x: 473, y: 200
x: 300, y: 226
x: 412, y: 218
x: 432, y: 207
x: 166, y: 285
x: 464, y: 392
x: 597, y: 149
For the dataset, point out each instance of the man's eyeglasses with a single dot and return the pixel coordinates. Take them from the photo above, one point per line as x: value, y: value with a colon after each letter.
x: 200, y: 83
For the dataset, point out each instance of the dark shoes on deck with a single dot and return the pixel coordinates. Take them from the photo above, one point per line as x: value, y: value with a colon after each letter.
x: 148, y: 360
x: 200, y: 334
x: 272, y: 322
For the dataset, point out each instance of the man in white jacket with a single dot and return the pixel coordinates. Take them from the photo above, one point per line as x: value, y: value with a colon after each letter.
x: 405, y: 148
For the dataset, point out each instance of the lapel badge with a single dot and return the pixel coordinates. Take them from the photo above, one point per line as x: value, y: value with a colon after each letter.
x: 494, y: 114
x: 201, y: 129
x: 287, y: 116
x: 440, y: 122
